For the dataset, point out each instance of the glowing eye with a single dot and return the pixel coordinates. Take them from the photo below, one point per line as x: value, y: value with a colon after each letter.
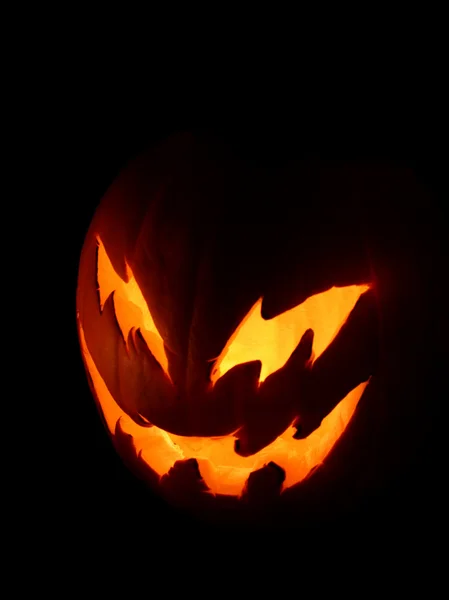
x: 273, y: 341
x: 131, y: 309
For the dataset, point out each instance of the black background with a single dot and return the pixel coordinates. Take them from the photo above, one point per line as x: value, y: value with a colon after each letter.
x: 92, y: 497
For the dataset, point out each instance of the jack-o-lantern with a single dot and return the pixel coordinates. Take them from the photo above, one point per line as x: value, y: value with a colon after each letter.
x: 229, y: 324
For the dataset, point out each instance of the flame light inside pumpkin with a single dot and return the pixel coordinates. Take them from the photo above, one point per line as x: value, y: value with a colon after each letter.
x: 272, y: 342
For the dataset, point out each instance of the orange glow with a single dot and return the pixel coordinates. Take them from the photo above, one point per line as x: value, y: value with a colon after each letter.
x: 130, y: 307
x: 272, y: 342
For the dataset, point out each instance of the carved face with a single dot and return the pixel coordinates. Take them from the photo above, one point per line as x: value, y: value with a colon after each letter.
x: 210, y: 336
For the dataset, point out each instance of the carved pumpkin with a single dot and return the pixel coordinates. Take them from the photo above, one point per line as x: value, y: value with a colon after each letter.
x: 234, y: 358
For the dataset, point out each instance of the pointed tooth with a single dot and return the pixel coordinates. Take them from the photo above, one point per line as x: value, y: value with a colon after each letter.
x: 184, y: 485
x: 274, y: 408
x: 303, y: 353
x: 264, y: 485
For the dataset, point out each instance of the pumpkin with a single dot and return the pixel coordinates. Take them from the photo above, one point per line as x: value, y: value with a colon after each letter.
x: 232, y: 321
